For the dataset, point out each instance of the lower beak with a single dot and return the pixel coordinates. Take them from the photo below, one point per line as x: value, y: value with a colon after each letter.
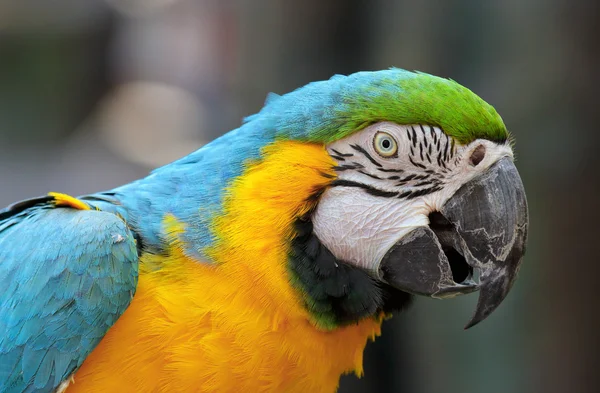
x: 482, y: 227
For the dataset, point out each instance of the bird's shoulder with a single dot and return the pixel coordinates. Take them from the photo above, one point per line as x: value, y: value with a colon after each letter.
x: 68, y: 271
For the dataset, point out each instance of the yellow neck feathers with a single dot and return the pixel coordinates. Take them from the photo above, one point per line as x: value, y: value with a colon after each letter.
x: 260, y: 208
x: 236, y: 325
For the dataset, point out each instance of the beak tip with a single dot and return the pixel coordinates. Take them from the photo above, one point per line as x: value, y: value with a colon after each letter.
x: 474, y: 321
x: 480, y: 314
x: 491, y: 295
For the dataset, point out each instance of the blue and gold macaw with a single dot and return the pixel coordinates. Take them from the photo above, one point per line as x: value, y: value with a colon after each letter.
x: 264, y: 261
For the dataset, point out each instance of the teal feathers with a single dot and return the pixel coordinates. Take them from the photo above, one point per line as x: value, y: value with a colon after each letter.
x: 66, y: 277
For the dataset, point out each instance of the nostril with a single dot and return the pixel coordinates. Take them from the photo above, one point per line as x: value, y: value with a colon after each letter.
x: 477, y: 156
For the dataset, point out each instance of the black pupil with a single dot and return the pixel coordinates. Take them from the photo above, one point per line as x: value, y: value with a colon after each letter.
x: 386, y: 143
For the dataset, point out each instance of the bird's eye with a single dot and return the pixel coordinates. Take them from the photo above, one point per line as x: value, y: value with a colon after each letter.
x: 385, y: 145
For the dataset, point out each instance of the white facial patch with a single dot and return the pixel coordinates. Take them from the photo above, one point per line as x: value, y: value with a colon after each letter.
x: 380, y: 197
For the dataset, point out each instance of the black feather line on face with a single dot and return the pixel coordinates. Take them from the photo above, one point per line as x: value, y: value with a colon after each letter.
x: 416, y: 163
x: 327, y: 175
x: 346, y: 167
x: 446, y: 149
x: 417, y: 193
x: 369, y: 189
x: 422, y: 183
x: 424, y: 136
x: 390, y: 170
x: 342, y: 154
x: 366, y: 154
x: 369, y: 174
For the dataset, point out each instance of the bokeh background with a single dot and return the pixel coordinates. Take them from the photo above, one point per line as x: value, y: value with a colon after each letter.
x: 94, y: 94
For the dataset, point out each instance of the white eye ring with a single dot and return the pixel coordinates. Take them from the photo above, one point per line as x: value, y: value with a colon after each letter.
x: 385, y: 145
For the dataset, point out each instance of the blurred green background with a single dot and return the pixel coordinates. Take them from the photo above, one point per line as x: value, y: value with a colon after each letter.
x: 94, y: 94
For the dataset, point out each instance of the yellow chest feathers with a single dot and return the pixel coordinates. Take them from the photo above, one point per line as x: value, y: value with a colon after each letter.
x: 235, y: 324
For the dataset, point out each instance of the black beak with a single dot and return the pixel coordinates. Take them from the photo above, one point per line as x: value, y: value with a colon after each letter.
x: 483, y: 226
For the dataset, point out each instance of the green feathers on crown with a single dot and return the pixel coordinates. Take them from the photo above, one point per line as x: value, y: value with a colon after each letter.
x: 330, y: 110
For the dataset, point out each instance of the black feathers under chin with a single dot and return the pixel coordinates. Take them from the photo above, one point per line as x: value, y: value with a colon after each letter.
x: 335, y: 292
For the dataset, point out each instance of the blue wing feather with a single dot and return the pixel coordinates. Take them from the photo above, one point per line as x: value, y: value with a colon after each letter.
x: 66, y: 276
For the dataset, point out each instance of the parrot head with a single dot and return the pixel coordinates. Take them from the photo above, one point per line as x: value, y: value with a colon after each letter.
x: 425, y: 198
x: 426, y: 214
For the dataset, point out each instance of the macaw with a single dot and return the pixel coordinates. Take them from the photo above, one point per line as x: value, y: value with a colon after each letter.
x: 265, y: 261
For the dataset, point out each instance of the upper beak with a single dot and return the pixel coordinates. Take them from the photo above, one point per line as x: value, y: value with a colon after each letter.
x: 483, y: 226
